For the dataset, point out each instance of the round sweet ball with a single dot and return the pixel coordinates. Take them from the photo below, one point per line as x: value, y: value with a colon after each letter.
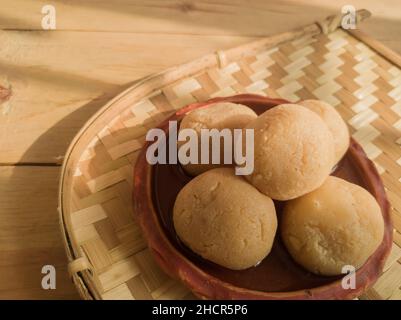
x: 335, y: 122
x: 215, y: 116
x: 336, y: 225
x: 294, y: 152
x: 224, y: 219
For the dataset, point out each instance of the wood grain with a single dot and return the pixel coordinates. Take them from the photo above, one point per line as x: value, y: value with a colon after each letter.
x: 67, y: 76
x: 101, y: 47
x: 57, y: 80
x: 29, y: 234
x: 235, y: 17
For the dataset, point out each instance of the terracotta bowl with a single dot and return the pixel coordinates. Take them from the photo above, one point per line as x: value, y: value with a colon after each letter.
x: 278, y: 276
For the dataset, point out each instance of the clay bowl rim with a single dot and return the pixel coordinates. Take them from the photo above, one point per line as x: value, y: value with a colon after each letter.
x: 207, y: 286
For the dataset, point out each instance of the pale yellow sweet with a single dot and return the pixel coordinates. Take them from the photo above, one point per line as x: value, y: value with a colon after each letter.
x: 223, y: 115
x: 224, y: 219
x: 338, y: 224
x: 334, y: 121
x: 294, y: 152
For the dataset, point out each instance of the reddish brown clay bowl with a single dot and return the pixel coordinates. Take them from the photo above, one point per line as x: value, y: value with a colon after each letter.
x: 278, y: 276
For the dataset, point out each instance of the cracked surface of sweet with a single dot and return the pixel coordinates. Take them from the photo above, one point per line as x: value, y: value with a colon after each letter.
x: 224, y: 219
x: 294, y: 152
x: 338, y: 224
x: 223, y: 115
x: 335, y: 122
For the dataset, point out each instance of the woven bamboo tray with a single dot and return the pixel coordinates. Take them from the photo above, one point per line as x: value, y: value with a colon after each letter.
x: 108, y: 258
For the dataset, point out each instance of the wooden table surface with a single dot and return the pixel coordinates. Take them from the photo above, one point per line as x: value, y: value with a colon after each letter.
x: 58, y: 79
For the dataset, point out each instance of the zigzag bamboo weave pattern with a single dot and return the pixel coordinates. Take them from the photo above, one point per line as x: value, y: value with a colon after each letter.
x: 364, y: 87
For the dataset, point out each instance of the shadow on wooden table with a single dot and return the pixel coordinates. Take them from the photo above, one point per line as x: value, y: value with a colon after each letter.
x: 31, y: 225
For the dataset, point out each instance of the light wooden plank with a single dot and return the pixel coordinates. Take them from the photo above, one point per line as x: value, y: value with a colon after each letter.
x: 195, y: 17
x: 161, y: 16
x: 67, y: 76
x: 30, y: 234
x: 59, y: 80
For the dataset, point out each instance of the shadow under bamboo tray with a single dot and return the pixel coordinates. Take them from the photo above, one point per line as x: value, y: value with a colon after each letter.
x: 109, y: 258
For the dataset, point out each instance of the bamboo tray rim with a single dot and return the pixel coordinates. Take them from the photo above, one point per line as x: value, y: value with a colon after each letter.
x: 79, y: 268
